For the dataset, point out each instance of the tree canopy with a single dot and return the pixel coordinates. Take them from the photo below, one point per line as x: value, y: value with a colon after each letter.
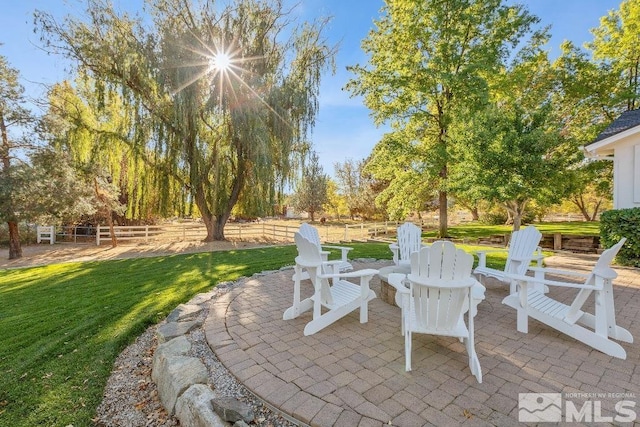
x: 429, y: 60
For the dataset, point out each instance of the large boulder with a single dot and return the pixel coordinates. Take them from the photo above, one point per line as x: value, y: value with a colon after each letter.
x: 194, y: 408
x: 175, y: 375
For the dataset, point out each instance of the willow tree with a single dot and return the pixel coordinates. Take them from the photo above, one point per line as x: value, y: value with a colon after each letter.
x: 220, y: 96
x: 95, y: 131
x: 428, y: 58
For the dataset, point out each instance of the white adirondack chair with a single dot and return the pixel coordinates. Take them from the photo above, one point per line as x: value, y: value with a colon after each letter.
x: 523, y: 248
x: 310, y: 233
x: 595, y: 330
x: 338, y: 298
x: 409, y: 240
x: 439, y: 295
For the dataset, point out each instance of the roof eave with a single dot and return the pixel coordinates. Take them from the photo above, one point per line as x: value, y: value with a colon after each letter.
x: 602, y: 145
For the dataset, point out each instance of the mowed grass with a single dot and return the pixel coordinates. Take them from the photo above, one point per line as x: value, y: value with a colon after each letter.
x: 63, y: 325
x: 475, y: 230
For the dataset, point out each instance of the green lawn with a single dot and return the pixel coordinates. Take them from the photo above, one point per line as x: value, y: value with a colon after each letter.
x: 63, y: 325
x: 475, y: 230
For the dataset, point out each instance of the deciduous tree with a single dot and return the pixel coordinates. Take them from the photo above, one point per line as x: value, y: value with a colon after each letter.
x: 429, y: 59
x: 311, y: 193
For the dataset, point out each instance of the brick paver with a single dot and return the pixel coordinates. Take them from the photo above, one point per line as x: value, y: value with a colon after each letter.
x: 352, y: 374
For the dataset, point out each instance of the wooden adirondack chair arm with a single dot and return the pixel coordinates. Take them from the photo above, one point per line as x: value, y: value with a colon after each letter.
x: 351, y: 274
x: 559, y: 272
x: 527, y: 279
x: 326, y: 263
x: 606, y: 272
x: 342, y: 248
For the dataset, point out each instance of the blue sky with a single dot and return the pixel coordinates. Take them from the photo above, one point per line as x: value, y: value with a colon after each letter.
x: 344, y: 129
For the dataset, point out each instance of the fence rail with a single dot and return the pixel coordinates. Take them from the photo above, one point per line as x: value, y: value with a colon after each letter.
x: 190, y: 232
x: 197, y: 231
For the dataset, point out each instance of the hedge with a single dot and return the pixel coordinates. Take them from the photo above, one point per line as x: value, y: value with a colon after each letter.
x: 614, y: 225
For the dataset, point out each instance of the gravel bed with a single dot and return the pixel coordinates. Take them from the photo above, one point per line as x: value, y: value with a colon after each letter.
x: 131, y: 397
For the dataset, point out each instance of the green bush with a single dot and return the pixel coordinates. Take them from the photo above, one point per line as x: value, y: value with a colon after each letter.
x: 499, y: 217
x: 494, y: 218
x: 614, y: 225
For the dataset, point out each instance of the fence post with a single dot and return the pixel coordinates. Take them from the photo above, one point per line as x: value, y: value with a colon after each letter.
x: 557, y: 241
x: 98, y: 235
x: 43, y: 231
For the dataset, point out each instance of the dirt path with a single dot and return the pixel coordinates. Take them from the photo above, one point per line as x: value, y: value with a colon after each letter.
x: 68, y: 252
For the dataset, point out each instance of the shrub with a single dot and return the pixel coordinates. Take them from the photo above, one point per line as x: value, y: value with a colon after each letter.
x: 499, y: 217
x: 494, y: 218
x: 614, y: 225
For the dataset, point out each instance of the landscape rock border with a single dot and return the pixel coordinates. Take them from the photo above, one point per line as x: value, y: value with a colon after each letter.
x: 182, y: 380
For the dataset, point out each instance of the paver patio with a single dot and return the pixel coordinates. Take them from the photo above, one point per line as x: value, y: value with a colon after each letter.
x: 352, y: 374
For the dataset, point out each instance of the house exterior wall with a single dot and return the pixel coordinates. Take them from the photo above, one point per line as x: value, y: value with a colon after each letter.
x: 626, y: 173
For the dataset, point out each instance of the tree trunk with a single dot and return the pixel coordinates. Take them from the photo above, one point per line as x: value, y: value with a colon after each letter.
x: 218, y: 227
x: 214, y: 223
x: 596, y: 209
x: 442, y: 199
x: 475, y: 216
x: 517, y: 221
x: 112, y: 231
x: 516, y: 210
x: 15, y: 249
x: 209, y: 225
x: 579, y: 202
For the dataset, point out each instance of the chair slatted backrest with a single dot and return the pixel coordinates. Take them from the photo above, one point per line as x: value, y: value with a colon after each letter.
x: 409, y: 239
x: 603, y: 265
x: 310, y: 257
x: 602, y: 268
x: 310, y: 233
x: 439, y: 307
x: 308, y: 252
x: 522, y: 246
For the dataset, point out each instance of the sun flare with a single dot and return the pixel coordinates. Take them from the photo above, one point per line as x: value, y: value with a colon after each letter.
x: 220, y: 62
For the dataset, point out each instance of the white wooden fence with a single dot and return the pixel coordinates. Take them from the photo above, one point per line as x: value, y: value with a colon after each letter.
x: 46, y: 232
x: 190, y: 232
x: 269, y: 231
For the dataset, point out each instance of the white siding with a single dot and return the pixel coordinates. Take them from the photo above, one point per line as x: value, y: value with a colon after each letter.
x: 626, y: 174
x: 636, y: 174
